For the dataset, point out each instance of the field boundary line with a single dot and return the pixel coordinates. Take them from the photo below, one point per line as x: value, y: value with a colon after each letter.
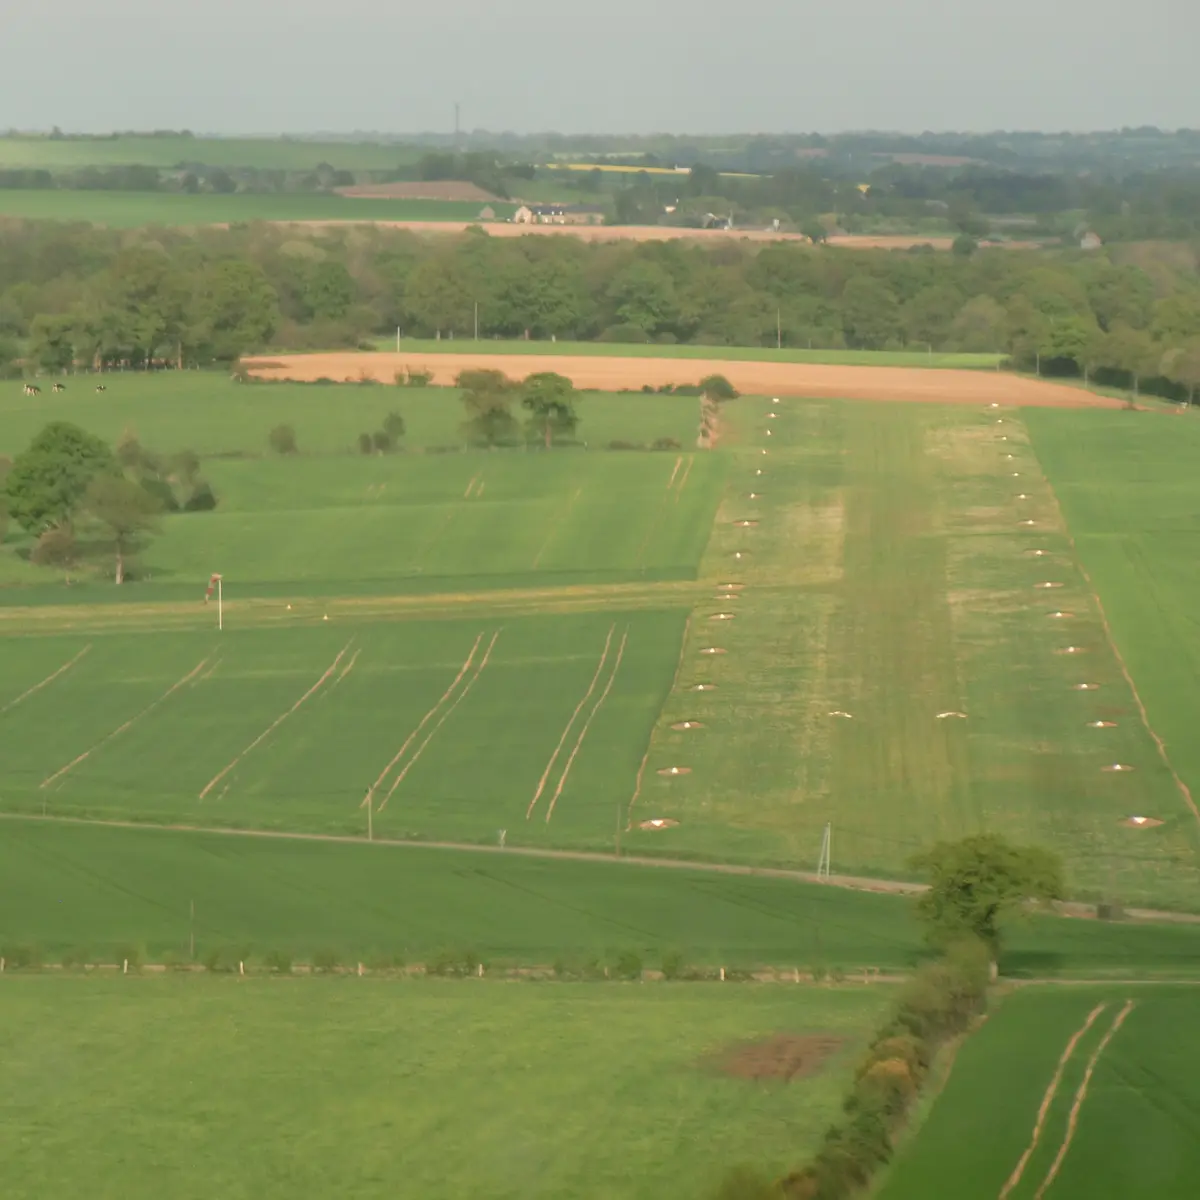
x: 462, y: 695
x: 37, y: 687
x: 566, y: 512
x: 541, y: 787
x: 1048, y: 1099
x: 586, y: 726
x: 1080, y: 1096
x: 108, y: 737
x: 850, y: 883
x: 262, y: 737
x: 1184, y: 790
x: 427, y: 717
x: 637, y: 784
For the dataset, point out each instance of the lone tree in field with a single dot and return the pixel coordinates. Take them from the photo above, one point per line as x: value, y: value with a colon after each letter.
x: 282, y: 439
x: 126, y: 511
x: 394, y: 427
x: 979, y: 883
x: 717, y: 389
x: 47, y: 483
x: 550, y: 401
x: 487, y: 397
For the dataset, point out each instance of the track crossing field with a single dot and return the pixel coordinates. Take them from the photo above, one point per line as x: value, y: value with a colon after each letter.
x: 1064, y: 1093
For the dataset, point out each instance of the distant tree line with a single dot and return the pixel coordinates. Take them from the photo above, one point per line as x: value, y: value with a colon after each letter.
x: 75, y: 297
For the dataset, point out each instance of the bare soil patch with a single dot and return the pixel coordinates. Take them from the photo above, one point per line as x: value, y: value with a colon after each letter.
x: 599, y: 373
x: 782, y: 1057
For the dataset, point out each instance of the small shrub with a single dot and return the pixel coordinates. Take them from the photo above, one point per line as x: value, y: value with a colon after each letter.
x: 133, y: 955
x: 618, y: 444
x: 673, y: 965
x: 325, y: 961
x: 381, y: 441
x: 21, y: 956
x: 365, y: 444
x: 221, y: 960
x: 282, y: 439
x: 666, y: 443
x: 386, y: 960
x: 628, y: 965
x: 202, y: 499
x: 717, y: 387
x: 394, y: 426
x: 278, y: 962
x: 666, y: 339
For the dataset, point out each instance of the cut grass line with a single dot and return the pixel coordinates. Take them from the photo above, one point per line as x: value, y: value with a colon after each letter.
x: 408, y: 741
x: 37, y: 687
x: 637, y: 786
x: 686, y: 474
x: 467, y: 493
x: 541, y: 787
x: 1080, y: 1096
x: 108, y: 737
x: 279, y: 720
x: 556, y: 526
x: 562, y: 783
x: 678, y: 464
x: 462, y: 695
x: 1048, y: 1099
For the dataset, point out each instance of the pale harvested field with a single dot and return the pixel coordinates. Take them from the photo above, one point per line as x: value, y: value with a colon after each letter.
x: 754, y: 378
x: 639, y: 233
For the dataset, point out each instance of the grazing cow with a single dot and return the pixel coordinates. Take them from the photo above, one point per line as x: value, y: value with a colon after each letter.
x: 101, y: 388
x: 32, y: 389
x: 59, y: 387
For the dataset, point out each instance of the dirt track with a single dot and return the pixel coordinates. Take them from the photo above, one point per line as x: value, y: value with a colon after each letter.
x: 597, y: 373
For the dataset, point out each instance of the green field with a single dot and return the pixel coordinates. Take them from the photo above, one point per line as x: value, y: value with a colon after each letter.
x: 557, y: 1091
x: 130, y: 210
x: 284, y: 154
x: 1130, y: 496
x: 1135, y: 1131
x: 543, y: 643
x: 862, y: 358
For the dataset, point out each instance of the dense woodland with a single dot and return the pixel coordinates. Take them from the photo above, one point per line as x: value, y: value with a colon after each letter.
x: 73, y: 296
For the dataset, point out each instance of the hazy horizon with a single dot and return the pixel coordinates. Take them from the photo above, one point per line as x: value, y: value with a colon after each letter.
x: 261, y: 66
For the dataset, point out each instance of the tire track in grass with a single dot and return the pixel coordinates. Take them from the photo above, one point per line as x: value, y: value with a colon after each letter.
x: 678, y: 464
x: 1039, y: 1125
x: 562, y: 783
x: 541, y: 787
x: 408, y: 741
x: 37, y: 687
x: 1080, y: 1096
x: 687, y: 471
x: 462, y: 695
x: 108, y: 737
x: 556, y: 526
x: 279, y: 720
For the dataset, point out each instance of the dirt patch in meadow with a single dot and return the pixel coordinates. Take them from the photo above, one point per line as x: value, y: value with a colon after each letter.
x: 600, y: 373
x: 781, y: 1057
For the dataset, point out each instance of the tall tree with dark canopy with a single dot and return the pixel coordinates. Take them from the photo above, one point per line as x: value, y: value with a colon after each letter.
x: 126, y: 511
x: 487, y: 396
x: 48, y: 482
x: 550, y: 400
x: 978, y: 884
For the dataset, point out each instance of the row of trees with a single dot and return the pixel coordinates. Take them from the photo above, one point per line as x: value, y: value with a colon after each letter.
x: 74, y: 296
x: 80, y: 499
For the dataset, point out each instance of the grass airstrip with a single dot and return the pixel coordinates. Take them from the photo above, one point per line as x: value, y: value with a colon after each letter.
x: 871, y: 618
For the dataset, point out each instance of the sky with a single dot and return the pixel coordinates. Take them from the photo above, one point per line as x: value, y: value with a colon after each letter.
x: 631, y: 66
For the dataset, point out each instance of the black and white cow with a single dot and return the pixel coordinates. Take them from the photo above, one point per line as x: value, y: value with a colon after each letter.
x: 32, y: 389
x: 59, y: 387
x: 101, y: 388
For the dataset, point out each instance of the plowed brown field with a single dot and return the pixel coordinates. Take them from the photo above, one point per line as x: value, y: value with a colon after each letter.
x: 756, y: 378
